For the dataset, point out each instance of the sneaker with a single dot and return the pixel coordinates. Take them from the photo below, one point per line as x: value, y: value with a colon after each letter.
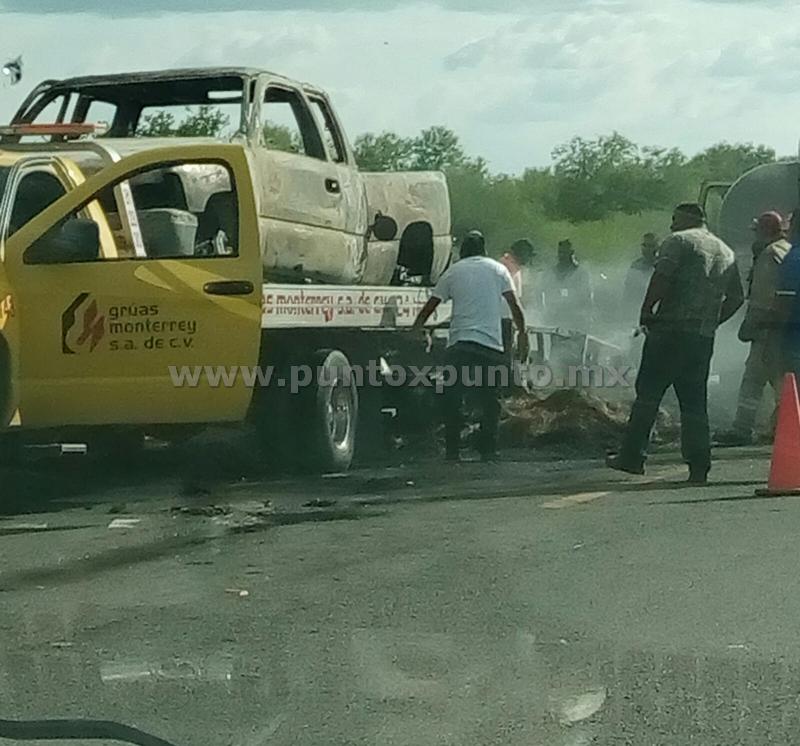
x: 618, y: 464
x: 733, y: 438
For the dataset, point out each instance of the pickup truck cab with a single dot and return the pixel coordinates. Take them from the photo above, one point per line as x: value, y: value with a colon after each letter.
x: 316, y: 210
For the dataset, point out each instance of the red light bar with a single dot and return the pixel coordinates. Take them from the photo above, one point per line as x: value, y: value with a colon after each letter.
x: 78, y: 128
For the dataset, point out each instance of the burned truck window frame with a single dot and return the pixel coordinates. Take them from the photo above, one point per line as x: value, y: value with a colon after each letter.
x: 304, y: 119
x: 130, y: 98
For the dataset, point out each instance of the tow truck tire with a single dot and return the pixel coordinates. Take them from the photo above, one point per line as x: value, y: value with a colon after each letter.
x: 331, y: 412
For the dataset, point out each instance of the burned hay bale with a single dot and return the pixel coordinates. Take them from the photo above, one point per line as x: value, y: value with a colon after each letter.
x: 579, y: 422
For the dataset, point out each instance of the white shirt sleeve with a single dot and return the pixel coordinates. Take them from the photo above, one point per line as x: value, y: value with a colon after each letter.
x: 506, y: 281
x: 442, y: 291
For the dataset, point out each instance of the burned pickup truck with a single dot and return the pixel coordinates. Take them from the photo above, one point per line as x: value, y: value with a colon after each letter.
x: 321, y: 220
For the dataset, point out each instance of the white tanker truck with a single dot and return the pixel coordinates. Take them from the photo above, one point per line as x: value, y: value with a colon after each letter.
x: 732, y: 207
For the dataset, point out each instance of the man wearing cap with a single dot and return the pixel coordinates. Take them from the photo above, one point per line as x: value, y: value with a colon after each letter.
x: 695, y: 287
x: 480, y: 288
x: 762, y: 328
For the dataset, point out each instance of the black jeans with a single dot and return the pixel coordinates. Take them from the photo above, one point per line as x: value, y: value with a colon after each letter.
x: 478, y: 371
x: 683, y: 361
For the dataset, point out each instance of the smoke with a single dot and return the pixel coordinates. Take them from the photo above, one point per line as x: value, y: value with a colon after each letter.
x: 615, y: 322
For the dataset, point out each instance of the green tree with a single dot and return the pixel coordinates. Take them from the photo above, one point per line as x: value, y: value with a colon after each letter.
x: 437, y: 149
x: 596, y: 178
x: 603, y: 192
x: 207, y: 121
x: 384, y: 152
x: 279, y: 137
x: 158, y: 124
x: 726, y: 162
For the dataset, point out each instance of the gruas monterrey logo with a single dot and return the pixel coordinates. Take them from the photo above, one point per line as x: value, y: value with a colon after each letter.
x: 82, y: 325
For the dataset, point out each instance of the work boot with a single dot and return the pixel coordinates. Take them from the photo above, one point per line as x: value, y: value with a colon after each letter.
x: 619, y: 464
x: 698, y: 476
x: 732, y: 438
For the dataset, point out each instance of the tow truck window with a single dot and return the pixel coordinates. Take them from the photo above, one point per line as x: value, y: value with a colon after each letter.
x: 174, y: 211
x: 37, y: 190
x: 288, y: 125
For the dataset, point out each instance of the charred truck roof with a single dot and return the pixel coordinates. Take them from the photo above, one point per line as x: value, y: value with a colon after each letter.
x: 129, y: 93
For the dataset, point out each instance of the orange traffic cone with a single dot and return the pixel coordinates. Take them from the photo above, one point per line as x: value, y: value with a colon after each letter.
x: 784, y: 475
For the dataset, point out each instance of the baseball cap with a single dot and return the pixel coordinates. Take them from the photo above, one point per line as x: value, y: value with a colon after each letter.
x: 771, y: 221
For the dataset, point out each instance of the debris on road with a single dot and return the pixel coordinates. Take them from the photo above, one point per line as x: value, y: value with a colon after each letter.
x: 569, y: 417
x: 204, y: 511
x: 576, y: 708
x: 318, y: 502
x: 125, y: 523
x: 572, y: 418
x: 240, y: 592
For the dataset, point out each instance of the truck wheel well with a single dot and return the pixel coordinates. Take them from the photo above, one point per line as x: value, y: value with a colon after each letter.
x: 416, y: 250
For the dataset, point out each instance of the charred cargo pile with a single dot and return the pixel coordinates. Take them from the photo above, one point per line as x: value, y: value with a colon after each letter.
x: 571, y: 419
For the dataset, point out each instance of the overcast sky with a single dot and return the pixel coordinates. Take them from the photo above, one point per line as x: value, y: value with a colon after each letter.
x: 513, y: 78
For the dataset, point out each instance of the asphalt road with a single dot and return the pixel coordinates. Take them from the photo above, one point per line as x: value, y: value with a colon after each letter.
x: 523, y: 603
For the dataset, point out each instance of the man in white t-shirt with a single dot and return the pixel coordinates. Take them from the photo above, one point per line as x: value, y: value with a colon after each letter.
x: 480, y: 289
x: 515, y: 260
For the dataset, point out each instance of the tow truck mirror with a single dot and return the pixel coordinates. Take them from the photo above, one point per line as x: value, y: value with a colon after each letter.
x: 384, y: 228
x: 75, y: 240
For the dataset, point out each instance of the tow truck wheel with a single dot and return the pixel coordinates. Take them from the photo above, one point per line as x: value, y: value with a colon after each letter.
x: 333, y: 416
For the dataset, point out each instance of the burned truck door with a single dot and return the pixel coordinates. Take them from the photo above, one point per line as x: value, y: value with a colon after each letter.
x: 339, y: 152
x: 305, y: 201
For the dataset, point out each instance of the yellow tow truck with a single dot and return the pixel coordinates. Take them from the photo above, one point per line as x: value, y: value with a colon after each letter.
x: 119, y: 310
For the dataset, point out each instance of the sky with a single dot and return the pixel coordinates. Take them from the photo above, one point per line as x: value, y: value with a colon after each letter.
x: 513, y: 78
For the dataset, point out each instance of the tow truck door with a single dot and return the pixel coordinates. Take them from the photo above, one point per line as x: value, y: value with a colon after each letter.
x: 129, y: 334
x: 9, y: 350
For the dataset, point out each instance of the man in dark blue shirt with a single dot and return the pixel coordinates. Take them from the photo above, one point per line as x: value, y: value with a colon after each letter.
x: 789, y: 299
